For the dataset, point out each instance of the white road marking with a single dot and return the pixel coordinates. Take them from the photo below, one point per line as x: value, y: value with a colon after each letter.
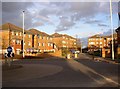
x: 86, y: 70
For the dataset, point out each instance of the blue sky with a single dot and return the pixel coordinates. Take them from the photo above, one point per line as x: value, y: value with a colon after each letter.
x: 73, y: 18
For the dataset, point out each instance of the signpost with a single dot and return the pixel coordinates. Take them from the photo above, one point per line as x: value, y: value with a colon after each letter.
x: 8, y: 55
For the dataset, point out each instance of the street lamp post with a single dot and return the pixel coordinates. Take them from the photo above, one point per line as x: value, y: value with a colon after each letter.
x: 81, y: 46
x: 112, y: 29
x: 23, y: 34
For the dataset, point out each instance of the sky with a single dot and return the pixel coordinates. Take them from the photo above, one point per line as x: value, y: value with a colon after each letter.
x: 83, y: 19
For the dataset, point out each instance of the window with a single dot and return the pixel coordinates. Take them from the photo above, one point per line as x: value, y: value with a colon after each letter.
x: 29, y: 36
x: 12, y: 33
x: 100, y: 42
x: 16, y: 33
x: 51, y: 38
x: 29, y: 43
x: 13, y: 40
x: 47, y: 38
x: 64, y: 42
x: 92, y: 43
x: 48, y: 44
x: 38, y: 36
x: 39, y: 44
x: 17, y: 41
x: 44, y: 37
x: 43, y: 44
x: 51, y: 44
x: 20, y: 33
x: 74, y: 43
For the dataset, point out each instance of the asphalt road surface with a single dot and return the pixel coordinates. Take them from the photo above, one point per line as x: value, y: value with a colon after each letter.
x: 60, y: 72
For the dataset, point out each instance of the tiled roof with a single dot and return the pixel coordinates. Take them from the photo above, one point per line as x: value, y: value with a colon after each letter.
x: 108, y: 36
x: 56, y: 35
x: 95, y: 36
x: 35, y: 31
x: 9, y: 26
x: 61, y: 35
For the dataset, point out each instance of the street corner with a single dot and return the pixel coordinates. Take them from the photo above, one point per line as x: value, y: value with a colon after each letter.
x: 30, y: 71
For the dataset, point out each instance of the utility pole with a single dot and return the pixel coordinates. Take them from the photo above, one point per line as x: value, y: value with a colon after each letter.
x: 112, y: 29
x: 81, y: 46
x: 23, y: 34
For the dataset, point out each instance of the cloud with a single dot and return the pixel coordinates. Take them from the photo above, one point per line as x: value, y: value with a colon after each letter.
x: 65, y: 24
x: 71, y: 12
x: 92, y: 21
x: 102, y: 25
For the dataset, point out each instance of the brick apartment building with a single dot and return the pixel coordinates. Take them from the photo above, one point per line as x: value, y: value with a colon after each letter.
x: 64, y: 41
x: 35, y: 40
x: 12, y: 35
x: 42, y: 41
x: 102, y: 43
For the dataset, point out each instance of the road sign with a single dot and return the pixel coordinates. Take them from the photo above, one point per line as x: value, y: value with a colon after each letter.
x: 9, y: 49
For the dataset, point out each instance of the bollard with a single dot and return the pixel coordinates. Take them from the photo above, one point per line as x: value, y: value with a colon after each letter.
x: 76, y: 56
x: 68, y: 56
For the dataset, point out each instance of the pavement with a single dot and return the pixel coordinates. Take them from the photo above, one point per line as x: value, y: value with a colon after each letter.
x: 96, y: 58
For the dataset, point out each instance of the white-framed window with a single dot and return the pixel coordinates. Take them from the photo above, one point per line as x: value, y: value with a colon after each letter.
x: 16, y: 33
x: 108, y: 38
x: 43, y: 44
x: 51, y: 44
x: 50, y: 38
x: 39, y: 44
x: 29, y: 35
x: 44, y: 37
x: 74, y: 43
x: 20, y: 33
x: 100, y: 42
x: 64, y: 46
x: 48, y: 44
x: 64, y: 42
x: 13, y: 41
x: 18, y: 42
x: 91, y: 42
x: 12, y: 32
x: 29, y: 43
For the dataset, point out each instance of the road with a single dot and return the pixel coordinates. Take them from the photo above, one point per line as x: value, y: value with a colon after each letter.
x: 60, y: 72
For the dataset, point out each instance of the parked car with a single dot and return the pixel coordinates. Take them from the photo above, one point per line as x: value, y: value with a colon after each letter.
x: 75, y: 51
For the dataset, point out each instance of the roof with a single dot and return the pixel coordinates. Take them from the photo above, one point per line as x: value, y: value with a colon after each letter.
x: 118, y: 29
x: 35, y: 31
x: 9, y: 26
x: 96, y: 36
x: 61, y: 35
x: 108, y: 36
